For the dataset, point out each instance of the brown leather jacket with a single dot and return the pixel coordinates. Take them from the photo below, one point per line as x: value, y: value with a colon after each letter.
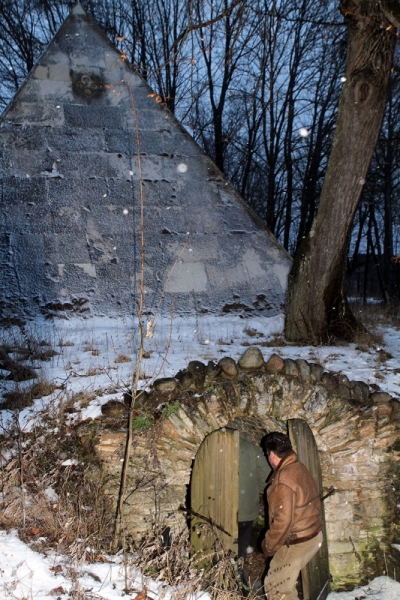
x: 294, y: 505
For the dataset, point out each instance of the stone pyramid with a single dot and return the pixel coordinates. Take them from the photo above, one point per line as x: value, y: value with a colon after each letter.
x: 84, y: 145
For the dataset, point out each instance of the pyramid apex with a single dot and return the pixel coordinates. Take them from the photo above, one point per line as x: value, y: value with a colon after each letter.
x: 78, y: 9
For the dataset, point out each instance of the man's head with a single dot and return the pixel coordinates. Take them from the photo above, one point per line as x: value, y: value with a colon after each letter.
x: 275, y: 446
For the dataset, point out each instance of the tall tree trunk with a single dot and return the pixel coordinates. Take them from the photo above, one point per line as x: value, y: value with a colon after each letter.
x: 316, y: 307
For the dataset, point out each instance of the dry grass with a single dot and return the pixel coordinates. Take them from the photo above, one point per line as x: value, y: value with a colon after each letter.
x: 224, y: 342
x: 83, y: 398
x: 42, y: 495
x: 252, y: 332
x: 42, y: 352
x: 372, y: 317
x: 174, y: 565
x: 53, y: 493
x: 377, y: 315
x: 275, y: 341
x: 92, y: 371
x: 19, y: 398
x: 88, y: 347
x: 122, y: 358
x: 29, y: 347
x: 45, y: 495
x: 18, y: 371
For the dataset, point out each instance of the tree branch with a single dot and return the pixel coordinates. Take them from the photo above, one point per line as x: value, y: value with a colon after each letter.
x: 222, y: 15
x: 391, y: 10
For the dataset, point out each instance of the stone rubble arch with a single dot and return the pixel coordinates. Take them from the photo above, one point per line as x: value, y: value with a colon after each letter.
x: 358, y: 445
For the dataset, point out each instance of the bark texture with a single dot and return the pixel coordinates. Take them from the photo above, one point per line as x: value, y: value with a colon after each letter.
x: 316, y: 307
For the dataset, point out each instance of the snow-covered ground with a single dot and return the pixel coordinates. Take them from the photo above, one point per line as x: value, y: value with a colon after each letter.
x: 98, y: 354
x: 28, y: 575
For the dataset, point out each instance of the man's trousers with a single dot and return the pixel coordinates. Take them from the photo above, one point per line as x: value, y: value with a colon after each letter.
x: 280, y: 582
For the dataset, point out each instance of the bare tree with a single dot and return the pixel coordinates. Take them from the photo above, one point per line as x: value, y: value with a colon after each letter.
x: 23, y: 36
x: 316, y: 303
x: 375, y: 240
x: 299, y: 65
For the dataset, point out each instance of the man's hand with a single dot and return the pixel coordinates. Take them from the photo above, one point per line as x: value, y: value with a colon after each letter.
x: 264, y: 549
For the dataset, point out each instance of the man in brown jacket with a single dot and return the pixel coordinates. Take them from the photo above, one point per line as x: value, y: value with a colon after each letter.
x: 294, y: 510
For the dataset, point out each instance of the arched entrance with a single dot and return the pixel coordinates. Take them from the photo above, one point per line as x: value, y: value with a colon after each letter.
x: 215, y: 499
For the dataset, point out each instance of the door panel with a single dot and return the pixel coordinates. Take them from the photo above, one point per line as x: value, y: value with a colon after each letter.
x: 215, y: 495
x: 315, y: 576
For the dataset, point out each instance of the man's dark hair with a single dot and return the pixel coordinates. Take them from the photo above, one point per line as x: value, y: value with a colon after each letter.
x: 276, y: 442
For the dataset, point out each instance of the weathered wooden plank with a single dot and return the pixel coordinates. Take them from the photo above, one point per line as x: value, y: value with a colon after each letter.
x: 315, y: 576
x: 215, y: 495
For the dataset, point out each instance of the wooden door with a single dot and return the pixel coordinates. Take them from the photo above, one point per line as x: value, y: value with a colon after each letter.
x: 214, y: 495
x: 315, y: 576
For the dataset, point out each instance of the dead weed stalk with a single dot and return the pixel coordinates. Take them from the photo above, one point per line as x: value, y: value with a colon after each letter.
x: 169, y: 560
x: 53, y: 492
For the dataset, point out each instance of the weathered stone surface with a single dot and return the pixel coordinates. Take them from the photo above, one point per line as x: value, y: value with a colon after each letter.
x: 290, y: 368
x: 185, y: 379
x: 359, y: 454
x: 304, y: 369
x: 384, y: 409
x: 228, y: 367
x: 198, y: 372
x: 212, y: 371
x: 396, y: 409
x: 316, y: 371
x: 165, y: 384
x: 359, y: 391
x: 318, y: 401
x: 140, y: 399
x: 113, y: 408
x: 343, y: 380
x: 330, y: 382
x: 274, y: 364
x: 252, y: 359
x: 344, y: 391
x: 380, y: 397
x: 358, y: 446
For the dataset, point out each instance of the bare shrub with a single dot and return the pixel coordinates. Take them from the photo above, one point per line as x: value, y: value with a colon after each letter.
x: 53, y: 488
x: 168, y: 558
x: 19, y: 399
x: 18, y: 372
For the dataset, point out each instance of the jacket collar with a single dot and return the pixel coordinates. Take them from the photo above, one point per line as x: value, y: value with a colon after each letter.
x: 287, y: 459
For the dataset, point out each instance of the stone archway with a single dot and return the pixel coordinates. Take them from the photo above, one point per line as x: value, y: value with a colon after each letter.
x: 359, y: 449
